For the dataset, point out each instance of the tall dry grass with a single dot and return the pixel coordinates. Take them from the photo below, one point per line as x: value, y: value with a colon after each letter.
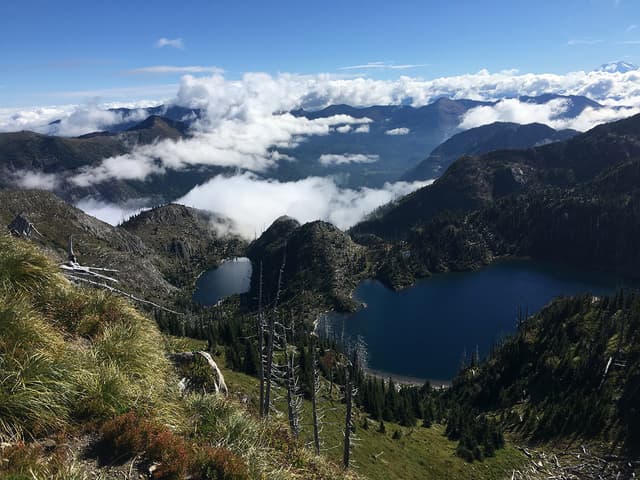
x: 68, y: 354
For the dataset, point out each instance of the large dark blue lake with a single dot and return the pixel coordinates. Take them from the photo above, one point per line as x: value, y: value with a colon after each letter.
x: 231, y: 277
x: 423, y: 331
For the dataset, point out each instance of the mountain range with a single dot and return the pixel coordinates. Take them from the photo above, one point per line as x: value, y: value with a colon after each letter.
x: 484, y: 139
x: 396, y: 141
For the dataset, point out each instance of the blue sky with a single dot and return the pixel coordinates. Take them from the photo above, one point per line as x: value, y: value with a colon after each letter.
x: 55, y: 52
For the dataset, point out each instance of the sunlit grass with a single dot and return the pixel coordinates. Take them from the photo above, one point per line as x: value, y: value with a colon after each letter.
x: 68, y: 353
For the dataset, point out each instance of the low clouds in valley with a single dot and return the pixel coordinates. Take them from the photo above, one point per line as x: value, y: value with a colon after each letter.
x: 254, y: 203
x: 247, y: 125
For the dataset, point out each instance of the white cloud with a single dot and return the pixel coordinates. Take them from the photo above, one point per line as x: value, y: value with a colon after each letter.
x: 384, y: 65
x: 254, y: 203
x: 583, y: 41
x: 74, y: 120
x: 244, y: 120
x: 227, y: 142
x: 110, y: 213
x: 36, y: 180
x: 173, y: 69
x: 340, y: 159
x: 398, y: 131
x: 92, y: 118
x: 513, y: 110
x: 260, y: 93
x: 551, y: 113
x: 343, y: 129
x: 122, y: 167
x: 362, y: 129
x: 170, y: 42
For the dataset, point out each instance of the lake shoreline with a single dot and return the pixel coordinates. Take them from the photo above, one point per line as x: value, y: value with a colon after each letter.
x: 407, y: 379
x: 421, y: 329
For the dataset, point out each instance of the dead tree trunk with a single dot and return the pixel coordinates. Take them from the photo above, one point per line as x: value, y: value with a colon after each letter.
x: 352, y: 369
x: 270, y: 343
x: 348, y: 392
x: 260, y: 326
x: 294, y: 402
x: 315, y: 390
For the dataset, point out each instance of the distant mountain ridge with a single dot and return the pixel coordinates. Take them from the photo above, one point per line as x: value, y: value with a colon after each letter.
x: 484, y: 139
x: 618, y: 67
x: 575, y: 201
x: 474, y: 181
x: 396, y: 140
x: 424, y: 128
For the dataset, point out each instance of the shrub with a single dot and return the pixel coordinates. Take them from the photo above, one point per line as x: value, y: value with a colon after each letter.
x: 220, y: 464
x: 464, y: 453
x: 20, y: 458
x: 129, y: 435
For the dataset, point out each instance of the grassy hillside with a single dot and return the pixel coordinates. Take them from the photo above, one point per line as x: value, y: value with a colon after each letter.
x: 420, y: 453
x: 156, y: 253
x: 86, y: 391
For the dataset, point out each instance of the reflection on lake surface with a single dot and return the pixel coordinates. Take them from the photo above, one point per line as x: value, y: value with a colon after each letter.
x: 231, y: 277
x: 424, y: 330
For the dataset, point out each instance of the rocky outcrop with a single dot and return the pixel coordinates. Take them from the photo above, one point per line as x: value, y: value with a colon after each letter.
x: 185, y: 239
x: 322, y: 263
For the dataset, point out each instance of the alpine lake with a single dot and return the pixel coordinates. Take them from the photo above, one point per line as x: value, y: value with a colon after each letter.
x: 426, y: 331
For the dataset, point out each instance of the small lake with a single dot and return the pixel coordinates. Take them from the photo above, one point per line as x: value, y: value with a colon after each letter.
x: 423, y: 331
x: 231, y: 277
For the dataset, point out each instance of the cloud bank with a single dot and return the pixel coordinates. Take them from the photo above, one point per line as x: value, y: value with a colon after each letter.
x: 550, y: 113
x: 246, y: 142
x: 254, y: 203
x: 284, y: 92
x: 108, y: 212
x: 71, y: 120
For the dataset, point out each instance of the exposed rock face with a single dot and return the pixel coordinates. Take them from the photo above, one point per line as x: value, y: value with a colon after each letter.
x: 185, y: 239
x: 95, y: 242
x: 154, y: 253
x: 22, y: 227
x: 323, y: 264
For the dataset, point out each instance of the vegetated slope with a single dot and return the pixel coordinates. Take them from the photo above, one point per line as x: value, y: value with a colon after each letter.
x: 593, y: 225
x: 320, y: 259
x: 572, y: 369
x: 87, y: 390
x: 51, y: 154
x: 573, y: 201
x: 146, y: 270
x: 25, y: 156
x: 484, y: 139
x: 186, y: 240
x: 472, y: 182
x: 397, y: 453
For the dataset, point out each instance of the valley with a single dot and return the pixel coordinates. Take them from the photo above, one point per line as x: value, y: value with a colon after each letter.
x: 414, y: 269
